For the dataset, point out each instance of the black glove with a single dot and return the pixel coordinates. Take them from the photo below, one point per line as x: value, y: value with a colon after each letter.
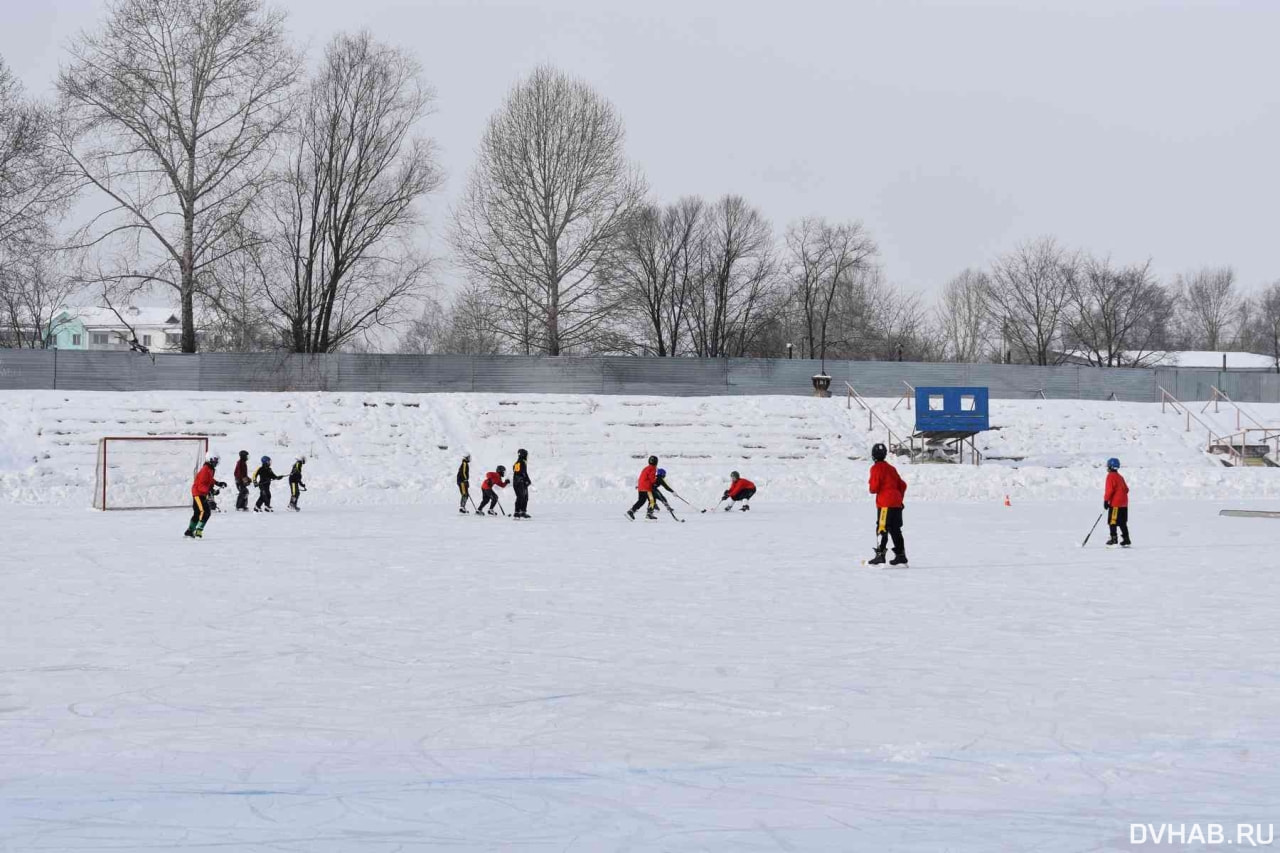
x: 302, y: 486
x: 1106, y: 505
x: 221, y: 485
x: 725, y: 496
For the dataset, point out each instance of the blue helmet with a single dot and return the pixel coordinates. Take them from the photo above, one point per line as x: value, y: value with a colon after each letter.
x: 662, y: 472
x: 1113, y: 464
x: 266, y: 460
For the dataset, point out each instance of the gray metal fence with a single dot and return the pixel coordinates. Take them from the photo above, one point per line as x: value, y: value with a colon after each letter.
x: 117, y: 371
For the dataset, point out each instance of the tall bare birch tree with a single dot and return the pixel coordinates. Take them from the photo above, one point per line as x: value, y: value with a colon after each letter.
x: 822, y: 258
x: 170, y: 110
x: 547, y: 200
x: 737, y: 280
x: 347, y: 210
x: 1030, y: 293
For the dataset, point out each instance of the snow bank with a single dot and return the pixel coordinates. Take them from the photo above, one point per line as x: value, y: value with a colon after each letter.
x: 403, y: 448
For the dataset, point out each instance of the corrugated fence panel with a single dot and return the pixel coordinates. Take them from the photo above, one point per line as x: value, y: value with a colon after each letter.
x: 675, y: 377
x: 123, y: 371
x: 513, y: 374
x: 26, y: 369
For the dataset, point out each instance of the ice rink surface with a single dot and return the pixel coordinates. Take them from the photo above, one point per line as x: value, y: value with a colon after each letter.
x: 402, y: 678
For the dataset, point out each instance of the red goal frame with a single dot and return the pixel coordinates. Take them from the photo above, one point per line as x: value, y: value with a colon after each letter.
x: 100, y: 468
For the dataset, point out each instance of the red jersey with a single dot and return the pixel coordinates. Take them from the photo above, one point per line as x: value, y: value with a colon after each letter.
x: 203, y: 483
x: 1116, y: 492
x: 241, y: 472
x: 886, y: 485
x: 740, y: 485
x: 648, y: 477
x: 492, y: 479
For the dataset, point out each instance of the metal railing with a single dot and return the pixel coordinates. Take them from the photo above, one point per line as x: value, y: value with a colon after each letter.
x: 852, y: 396
x: 1167, y: 399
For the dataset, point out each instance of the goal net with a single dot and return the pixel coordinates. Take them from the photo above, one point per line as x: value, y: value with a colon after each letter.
x: 147, y: 472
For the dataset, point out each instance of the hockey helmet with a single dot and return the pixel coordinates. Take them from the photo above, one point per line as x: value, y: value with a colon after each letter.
x: 266, y: 460
x: 662, y: 472
x: 879, y: 452
x: 734, y: 475
x: 522, y: 453
x: 653, y: 460
x: 466, y: 456
x: 212, y: 461
x: 1113, y: 464
x: 502, y: 469
x: 244, y: 454
x: 301, y: 460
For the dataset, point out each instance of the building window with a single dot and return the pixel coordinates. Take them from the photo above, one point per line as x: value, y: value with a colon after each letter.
x: 968, y: 403
x: 100, y: 339
x: 936, y: 403
x: 146, y: 340
x: 75, y: 340
x: 172, y: 340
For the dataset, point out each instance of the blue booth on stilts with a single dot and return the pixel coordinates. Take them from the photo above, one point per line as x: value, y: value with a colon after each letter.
x: 947, y: 419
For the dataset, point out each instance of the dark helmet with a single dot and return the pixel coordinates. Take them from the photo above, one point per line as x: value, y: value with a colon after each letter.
x: 502, y: 469
x: 662, y: 472
x: 522, y: 453
x: 653, y: 460
x: 734, y: 475
x: 879, y: 452
x: 1113, y: 464
x: 266, y: 460
x: 212, y: 461
x: 244, y: 454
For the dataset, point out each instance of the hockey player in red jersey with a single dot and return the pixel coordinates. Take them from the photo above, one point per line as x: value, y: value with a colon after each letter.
x: 201, y: 505
x: 889, y: 489
x: 644, y: 487
x: 1115, y: 500
x: 488, y: 497
x: 740, y: 489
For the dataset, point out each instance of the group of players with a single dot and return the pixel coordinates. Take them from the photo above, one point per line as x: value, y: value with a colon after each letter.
x: 884, y: 482
x: 207, y: 486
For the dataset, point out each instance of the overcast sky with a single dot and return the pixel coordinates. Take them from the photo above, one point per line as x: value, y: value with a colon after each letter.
x: 953, y: 130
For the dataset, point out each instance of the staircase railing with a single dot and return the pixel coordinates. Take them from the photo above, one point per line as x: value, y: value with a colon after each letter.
x: 852, y: 396
x: 1237, y: 444
x: 1167, y: 399
x: 1220, y: 395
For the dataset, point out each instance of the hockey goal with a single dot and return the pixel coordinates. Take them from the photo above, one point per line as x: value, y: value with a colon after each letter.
x: 147, y: 472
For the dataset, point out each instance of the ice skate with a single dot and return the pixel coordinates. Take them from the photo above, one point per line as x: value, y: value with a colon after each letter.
x: 899, y: 559
x: 878, y: 559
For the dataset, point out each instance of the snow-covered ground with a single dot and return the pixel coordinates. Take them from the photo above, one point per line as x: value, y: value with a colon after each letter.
x: 404, y: 448
x: 379, y: 673
x: 392, y: 678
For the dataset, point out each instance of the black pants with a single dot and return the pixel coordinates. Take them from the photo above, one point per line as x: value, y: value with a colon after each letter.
x: 645, y: 498
x: 488, y: 498
x: 464, y: 488
x: 744, y: 495
x: 889, y: 523
x: 293, y: 493
x: 264, y: 496
x: 242, y: 494
x: 201, y: 509
x: 1119, y: 518
x: 522, y: 498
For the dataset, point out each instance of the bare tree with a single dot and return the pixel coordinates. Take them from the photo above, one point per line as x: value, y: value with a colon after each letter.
x: 823, y: 258
x: 1030, y: 292
x: 654, y: 271
x: 35, y: 185
x: 737, y: 286
x: 1267, y: 322
x: 34, y: 288
x: 346, y: 211
x: 170, y: 110
x: 963, y: 317
x: 1209, y: 307
x: 463, y: 327
x: 547, y: 201
x: 234, y: 306
x: 1119, y: 317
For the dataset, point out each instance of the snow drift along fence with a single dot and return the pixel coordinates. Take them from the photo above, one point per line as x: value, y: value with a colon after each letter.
x: 123, y: 371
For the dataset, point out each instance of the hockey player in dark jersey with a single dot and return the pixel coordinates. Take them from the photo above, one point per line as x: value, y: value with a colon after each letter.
x: 262, y: 479
x: 464, y: 482
x: 295, y: 482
